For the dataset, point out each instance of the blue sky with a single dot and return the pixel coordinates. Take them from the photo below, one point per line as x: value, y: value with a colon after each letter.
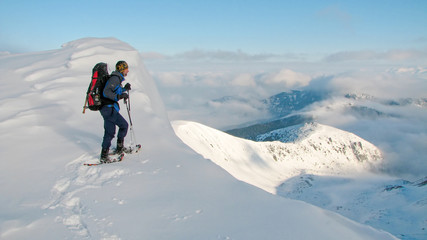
x: 254, y: 27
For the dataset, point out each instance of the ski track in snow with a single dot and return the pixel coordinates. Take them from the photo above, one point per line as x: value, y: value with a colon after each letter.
x: 73, y: 212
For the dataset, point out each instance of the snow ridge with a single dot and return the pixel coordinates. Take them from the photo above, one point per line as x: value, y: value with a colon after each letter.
x: 316, y: 149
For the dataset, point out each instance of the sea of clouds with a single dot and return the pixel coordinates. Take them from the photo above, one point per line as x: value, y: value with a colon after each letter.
x: 223, y: 89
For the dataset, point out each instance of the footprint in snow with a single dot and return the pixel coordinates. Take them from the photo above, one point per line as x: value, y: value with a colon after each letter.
x: 64, y: 193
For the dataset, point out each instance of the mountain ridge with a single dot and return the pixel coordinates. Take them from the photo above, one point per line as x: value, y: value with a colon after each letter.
x: 325, y: 166
x: 321, y: 150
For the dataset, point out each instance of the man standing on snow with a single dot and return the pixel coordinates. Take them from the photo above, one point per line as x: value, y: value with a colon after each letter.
x: 113, y: 92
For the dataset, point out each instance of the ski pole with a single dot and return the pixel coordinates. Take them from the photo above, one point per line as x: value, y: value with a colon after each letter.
x: 132, y: 136
x: 127, y: 102
x: 84, y: 106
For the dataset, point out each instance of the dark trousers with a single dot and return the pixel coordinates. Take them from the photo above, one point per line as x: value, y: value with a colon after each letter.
x: 112, y: 119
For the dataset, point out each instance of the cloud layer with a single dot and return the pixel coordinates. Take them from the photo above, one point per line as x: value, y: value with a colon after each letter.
x: 223, y: 90
x: 392, y: 55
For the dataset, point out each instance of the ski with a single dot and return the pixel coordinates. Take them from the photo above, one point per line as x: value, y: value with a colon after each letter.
x: 118, y: 159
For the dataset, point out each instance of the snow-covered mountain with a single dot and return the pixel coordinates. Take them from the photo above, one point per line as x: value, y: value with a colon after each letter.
x: 281, y: 104
x: 292, y: 108
x: 421, y: 102
x: 285, y: 103
x: 311, y: 149
x: 253, y: 132
x: 396, y: 125
x: 166, y: 192
x: 322, y: 165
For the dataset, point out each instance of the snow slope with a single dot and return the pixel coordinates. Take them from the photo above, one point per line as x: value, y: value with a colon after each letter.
x: 319, y: 149
x: 395, y: 205
x: 322, y: 165
x: 166, y: 192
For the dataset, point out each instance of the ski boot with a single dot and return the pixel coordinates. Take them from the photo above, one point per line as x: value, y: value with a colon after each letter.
x: 121, y: 148
x: 104, y: 158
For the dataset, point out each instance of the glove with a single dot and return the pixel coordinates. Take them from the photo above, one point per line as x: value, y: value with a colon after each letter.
x: 127, y: 87
x: 123, y: 96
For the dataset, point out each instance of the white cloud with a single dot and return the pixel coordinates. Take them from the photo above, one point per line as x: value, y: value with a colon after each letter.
x: 369, y: 55
x: 222, y: 55
x: 409, y: 70
x: 152, y: 56
x: 191, y: 81
x: 289, y: 79
x: 387, y: 84
x: 170, y: 79
x: 244, y: 79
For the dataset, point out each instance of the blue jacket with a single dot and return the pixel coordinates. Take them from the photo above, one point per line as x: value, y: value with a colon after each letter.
x: 113, y: 88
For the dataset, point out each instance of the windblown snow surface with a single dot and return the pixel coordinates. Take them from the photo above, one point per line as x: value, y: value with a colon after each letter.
x: 168, y: 191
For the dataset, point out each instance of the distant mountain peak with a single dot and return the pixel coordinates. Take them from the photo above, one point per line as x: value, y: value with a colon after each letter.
x: 285, y: 103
